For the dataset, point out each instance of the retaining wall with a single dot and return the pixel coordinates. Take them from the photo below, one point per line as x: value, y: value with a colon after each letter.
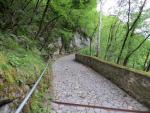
x: 135, y: 83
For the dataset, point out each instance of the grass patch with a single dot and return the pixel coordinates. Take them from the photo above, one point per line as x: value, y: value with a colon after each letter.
x: 19, y: 69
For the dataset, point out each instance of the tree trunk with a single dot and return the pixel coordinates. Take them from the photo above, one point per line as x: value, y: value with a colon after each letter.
x: 147, y: 57
x: 148, y: 67
x: 47, y: 25
x: 62, y: 45
x: 15, y: 25
x: 129, y: 29
x: 99, y: 31
x: 108, y: 42
x: 42, y: 20
x: 27, y: 5
x: 90, y: 46
x: 34, y: 12
x: 129, y: 55
x: 91, y: 39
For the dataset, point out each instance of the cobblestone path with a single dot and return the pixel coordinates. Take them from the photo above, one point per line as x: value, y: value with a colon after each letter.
x: 76, y: 83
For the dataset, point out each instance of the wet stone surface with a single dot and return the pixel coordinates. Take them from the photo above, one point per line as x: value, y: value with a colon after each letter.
x: 76, y: 83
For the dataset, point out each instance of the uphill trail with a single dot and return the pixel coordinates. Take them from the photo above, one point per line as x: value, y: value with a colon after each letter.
x: 76, y: 83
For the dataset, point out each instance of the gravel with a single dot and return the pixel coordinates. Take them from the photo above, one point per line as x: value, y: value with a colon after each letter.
x: 76, y: 83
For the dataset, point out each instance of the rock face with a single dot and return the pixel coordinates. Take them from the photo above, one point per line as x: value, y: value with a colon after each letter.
x: 79, y: 41
x: 137, y: 84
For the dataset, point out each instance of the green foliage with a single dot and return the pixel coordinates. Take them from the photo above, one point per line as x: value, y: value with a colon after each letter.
x: 22, y: 50
x: 85, y: 51
x: 21, y: 54
x: 18, y: 65
x: 37, y: 106
x: 14, y: 61
x: 136, y: 60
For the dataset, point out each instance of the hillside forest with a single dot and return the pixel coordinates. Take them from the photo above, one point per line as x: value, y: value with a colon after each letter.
x: 34, y: 31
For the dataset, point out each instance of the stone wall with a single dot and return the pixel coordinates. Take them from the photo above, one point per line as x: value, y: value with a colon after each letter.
x: 135, y: 83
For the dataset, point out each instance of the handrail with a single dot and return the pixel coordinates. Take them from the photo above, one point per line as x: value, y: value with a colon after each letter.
x: 98, y: 107
x: 19, y: 109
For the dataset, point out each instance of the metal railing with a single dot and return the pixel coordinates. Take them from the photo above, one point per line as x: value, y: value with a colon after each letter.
x: 19, y: 109
x: 109, y: 109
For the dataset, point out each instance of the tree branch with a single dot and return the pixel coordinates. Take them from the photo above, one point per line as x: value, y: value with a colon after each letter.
x: 128, y: 56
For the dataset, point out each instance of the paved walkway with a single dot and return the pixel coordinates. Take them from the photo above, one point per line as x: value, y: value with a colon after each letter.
x: 76, y: 83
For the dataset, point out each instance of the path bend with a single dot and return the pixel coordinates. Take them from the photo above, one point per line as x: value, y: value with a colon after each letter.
x: 76, y: 83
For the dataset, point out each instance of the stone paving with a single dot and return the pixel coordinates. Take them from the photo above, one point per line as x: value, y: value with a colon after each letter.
x: 76, y: 83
